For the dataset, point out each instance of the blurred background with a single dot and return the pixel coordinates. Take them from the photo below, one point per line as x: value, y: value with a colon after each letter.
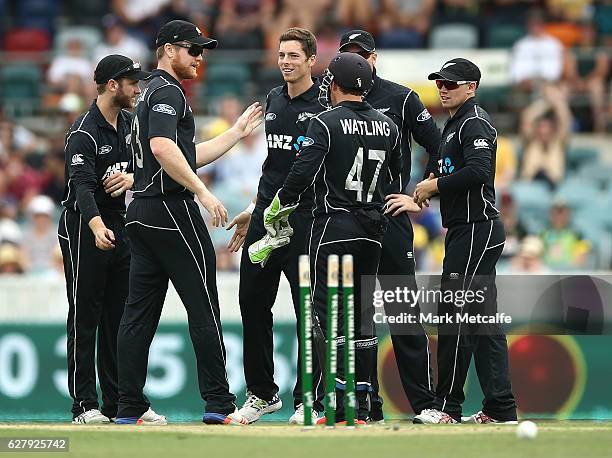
x: 546, y: 83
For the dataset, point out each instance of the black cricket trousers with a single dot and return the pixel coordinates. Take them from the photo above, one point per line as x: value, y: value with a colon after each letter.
x: 471, y: 252
x: 340, y: 234
x: 169, y: 241
x: 97, y: 287
x: 410, y: 342
x: 258, y: 289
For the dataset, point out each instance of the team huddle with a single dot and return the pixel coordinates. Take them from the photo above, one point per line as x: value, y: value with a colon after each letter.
x: 341, y: 191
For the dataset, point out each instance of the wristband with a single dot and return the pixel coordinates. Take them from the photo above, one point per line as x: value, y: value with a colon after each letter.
x: 250, y: 208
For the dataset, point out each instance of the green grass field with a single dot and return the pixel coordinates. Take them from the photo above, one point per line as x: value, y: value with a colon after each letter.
x: 270, y: 440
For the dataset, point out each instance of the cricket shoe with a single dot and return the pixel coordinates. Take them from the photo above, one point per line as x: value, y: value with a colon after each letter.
x: 233, y: 418
x: 298, y: 417
x: 433, y: 416
x: 254, y: 408
x: 147, y: 418
x: 323, y: 421
x: 90, y: 417
x: 481, y: 418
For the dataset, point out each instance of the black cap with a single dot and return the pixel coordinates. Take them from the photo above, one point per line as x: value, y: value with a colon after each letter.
x: 351, y: 71
x: 177, y: 30
x: 361, y: 38
x: 457, y: 69
x: 116, y: 66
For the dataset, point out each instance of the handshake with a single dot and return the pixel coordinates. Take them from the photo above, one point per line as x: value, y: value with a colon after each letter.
x: 278, y: 231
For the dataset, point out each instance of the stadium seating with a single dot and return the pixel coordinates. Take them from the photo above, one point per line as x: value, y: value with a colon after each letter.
x: 533, y: 200
x: 24, y: 40
x: 37, y: 13
x: 454, y: 36
x: 20, y: 88
x: 578, y: 156
x: 597, y: 173
x: 503, y: 35
x: 226, y: 78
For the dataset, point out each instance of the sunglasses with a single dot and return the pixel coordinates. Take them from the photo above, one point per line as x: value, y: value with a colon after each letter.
x: 192, y: 49
x: 451, y: 85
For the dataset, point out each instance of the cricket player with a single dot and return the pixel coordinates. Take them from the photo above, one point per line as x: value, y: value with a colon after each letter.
x: 349, y: 156
x: 92, y: 236
x: 289, y: 109
x: 410, y: 343
x: 474, y: 242
x: 168, y: 237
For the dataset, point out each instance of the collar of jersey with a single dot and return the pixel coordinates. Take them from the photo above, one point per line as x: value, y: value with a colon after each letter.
x: 311, y: 94
x: 355, y: 105
x: 467, y: 106
x: 168, y: 76
x: 100, y: 119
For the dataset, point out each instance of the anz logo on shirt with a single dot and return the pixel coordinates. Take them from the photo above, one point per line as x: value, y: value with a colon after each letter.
x: 445, y: 166
x: 280, y: 141
x: 117, y: 167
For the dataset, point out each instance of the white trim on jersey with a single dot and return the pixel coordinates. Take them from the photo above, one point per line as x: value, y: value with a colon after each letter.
x: 352, y: 240
x: 477, y: 117
x: 152, y: 227
x: 152, y: 181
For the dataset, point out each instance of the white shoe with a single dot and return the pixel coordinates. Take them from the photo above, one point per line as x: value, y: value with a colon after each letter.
x: 481, y: 418
x: 147, y: 418
x: 433, y: 416
x: 254, y: 408
x: 298, y: 417
x: 91, y: 417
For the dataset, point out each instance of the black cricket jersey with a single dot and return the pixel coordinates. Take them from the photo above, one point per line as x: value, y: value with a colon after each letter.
x: 466, y: 167
x: 161, y: 111
x: 350, y: 154
x: 405, y: 108
x: 286, y: 121
x: 94, y: 150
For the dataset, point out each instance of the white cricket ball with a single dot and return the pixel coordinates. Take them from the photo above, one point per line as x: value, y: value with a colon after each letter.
x: 527, y: 430
x: 396, y: 427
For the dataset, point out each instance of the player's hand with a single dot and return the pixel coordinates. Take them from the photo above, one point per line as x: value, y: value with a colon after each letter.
x: 425, y: 189
x: 249, y: 120
x: 105, y: 239
x: 214, y: 207
x: 118, y: 183
x: 241, y: 221
x: 400, y: 203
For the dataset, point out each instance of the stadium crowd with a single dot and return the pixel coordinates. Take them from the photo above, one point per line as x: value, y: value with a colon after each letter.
x: 553, y: 193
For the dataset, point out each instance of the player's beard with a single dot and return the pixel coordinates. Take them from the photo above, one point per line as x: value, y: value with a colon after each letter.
x: 184, y: 72
x: 123, y: 100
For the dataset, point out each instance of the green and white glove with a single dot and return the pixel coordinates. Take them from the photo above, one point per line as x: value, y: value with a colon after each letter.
x: 260, y: 251
x: 276, y: 213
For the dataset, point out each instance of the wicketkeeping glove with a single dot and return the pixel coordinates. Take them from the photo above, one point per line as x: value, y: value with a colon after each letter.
x: 260, y: 251
x: 276, y: 213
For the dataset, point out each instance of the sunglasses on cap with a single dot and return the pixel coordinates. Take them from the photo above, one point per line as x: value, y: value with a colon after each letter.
x: 131, y: 68
x: 192, y: 49
x: 451, y: 85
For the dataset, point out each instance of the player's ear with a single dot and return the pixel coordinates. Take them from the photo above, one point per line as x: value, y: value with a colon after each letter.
x: 312, y: 60
x: 373, y: 58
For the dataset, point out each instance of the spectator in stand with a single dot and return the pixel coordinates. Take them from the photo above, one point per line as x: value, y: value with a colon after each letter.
x: 545, y: 130
x: 515, y: 231
x: 141, y: 16
x: 356, y: 14
x: 404, y: 23
x: 537, y: 57
x: 53, y: 173
x: 40, y: 240
x: 454, y: 11
x: 586, y: 72
x: 564, y: 248
x: 11, y: 260
x: 603, y: 21
x: 528, y: 259
x: 507, y: 11
x: 239, y: 25
x: 10, y: 232
x: 72, y: 64
x: 22, y: 181
x: 506, y: 163
x: 119, y: 42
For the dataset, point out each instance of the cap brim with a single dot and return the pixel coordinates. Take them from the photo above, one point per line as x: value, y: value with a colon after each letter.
x: 207, y: 43
x: 137, y: 75
x: 444, y: 75
x: 361, y: 45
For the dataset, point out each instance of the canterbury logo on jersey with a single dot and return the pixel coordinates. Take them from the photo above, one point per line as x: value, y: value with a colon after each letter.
x: 280, y: 141
x: 164, y: 108
x: 117, y: 167
x: 77, y: 159
x: 480, y: 143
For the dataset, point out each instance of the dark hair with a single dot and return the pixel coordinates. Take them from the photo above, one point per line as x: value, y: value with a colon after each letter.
x: 305, y: 37
x: 349, y: 91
